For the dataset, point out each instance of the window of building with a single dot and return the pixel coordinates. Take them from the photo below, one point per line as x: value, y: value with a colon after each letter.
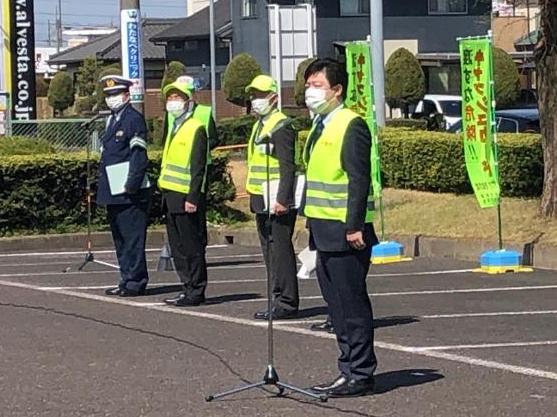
x: 354, y: 7
x: 249, y: 8
x: 176, y: 46
x: 191, y: 45
x: 448, y: 6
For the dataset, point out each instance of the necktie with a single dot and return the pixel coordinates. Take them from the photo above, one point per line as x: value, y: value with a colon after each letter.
x: 316, y: 133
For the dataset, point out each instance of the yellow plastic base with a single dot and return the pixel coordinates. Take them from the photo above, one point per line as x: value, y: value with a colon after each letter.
x: 389, y: 260
x: 495, y: 270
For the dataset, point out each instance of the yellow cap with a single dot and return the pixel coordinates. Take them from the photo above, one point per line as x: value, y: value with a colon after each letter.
x: 263, y: 83
x: 183, y: 84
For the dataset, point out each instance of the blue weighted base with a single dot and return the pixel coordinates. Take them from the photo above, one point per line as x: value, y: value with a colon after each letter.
x: 501, y: 261
x: 388, y: 252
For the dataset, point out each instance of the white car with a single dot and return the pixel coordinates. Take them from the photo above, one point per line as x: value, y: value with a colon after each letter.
x: 449, y: 106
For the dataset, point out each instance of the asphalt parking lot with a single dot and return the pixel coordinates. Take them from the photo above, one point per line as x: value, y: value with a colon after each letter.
x: 450, y: 342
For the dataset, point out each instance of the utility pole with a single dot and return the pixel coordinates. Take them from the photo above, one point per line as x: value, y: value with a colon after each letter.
x: 132, y: 56
x: 378, y: 57
x: 59, y: 27
x: 213, y: 58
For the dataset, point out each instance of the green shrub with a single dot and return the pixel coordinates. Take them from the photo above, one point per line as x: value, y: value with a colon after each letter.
x: 61, y: 92
x: 47, y: 192
x: 84, y: 105
x: 404, y: 80
x: 434, y: 161
x: 300, y: 86
x: 234, y: 131
x: 416, y: 124
x: 506, y: 77
x: 173, y: 70
x: 88, y: 76
x: 19, y: 145
x: 238, y: 75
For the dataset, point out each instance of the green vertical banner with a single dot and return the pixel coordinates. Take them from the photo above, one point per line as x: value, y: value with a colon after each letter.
x: 478, y: 119
x: 360, y: 98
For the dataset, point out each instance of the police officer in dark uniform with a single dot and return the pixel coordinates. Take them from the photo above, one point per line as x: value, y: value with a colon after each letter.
x: 125, y: 142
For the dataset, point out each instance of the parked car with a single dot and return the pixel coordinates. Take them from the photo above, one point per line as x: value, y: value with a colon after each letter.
x: 525, y: 120
x: 450, y: 107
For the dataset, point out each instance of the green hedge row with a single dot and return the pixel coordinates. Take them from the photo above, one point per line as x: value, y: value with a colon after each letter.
x: 434, y: 161
x: 47, y: 192
x: 21, y: 145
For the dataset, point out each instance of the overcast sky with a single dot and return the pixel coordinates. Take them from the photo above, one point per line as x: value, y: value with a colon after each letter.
x: 96, y: 12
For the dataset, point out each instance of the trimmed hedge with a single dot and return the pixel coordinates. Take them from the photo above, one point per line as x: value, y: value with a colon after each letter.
x: 21, y: 145
x: 47, y: 192
x: 434, y: 161
x: 417, y: 124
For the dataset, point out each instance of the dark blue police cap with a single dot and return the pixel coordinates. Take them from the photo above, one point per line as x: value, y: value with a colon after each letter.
x: 115, y: 84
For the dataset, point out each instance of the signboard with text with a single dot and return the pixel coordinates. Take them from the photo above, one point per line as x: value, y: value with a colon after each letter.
x: 18, y: 57
x: 132, y: 57
x: 360, y: 98
x: 478, y: 119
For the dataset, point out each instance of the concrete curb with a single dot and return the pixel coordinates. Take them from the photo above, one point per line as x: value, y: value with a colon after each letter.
x: 537, y: 255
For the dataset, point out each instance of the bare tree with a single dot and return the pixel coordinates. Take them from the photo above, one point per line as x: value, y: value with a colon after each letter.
x: 546, y: 66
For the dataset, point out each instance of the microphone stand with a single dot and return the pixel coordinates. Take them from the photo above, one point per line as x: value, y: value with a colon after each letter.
x: 89, y: 256
x: 271, y: 376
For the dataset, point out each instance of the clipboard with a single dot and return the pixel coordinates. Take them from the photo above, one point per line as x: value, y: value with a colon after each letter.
x: 299, y: 186
x: 118, y: 176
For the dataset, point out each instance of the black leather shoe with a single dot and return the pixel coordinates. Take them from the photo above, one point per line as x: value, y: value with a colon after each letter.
x: 326, y: 326
x: 323, y: 388
x: 113, y: 291
x: 278, y: 314
x: 183, y: 300
x: 353, y: 388
x: 125, y: 292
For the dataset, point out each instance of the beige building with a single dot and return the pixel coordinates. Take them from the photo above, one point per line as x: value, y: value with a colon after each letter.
x: 193, y: 6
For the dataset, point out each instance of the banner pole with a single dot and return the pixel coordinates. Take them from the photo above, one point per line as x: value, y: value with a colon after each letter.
x: 495, y: 144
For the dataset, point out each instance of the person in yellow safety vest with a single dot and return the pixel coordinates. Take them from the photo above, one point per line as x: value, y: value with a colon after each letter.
x: 182, y: 181
x: 338, y: 203
x: 273, y: 132
x: 201, y: 112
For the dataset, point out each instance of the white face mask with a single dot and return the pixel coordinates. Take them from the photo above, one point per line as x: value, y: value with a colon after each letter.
x: 175, y: 107
x: 316, y: 100
x: 115, y: 102
x: 261, y: 106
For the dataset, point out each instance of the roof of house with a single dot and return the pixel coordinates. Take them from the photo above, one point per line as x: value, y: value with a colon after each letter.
x: 108, y: 47
x: 197, y: 25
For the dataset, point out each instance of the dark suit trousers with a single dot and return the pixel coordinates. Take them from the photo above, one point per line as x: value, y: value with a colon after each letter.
x: 342, y: 278
x: 281, y: 255
x: 187, y: 235
x: 128, y: 223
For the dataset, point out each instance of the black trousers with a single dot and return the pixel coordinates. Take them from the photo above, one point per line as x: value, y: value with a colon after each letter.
x: 187, y: 235
x: 281, y: 255
x: 342, y: 278
x: 128, y: 223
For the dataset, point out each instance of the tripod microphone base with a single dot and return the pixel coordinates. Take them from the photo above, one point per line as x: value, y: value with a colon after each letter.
x: 271, y: 378
x: 88, y: 258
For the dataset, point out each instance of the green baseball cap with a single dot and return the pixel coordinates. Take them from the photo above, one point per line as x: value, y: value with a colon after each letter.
x: 263, y: 83
x: 183, y: 84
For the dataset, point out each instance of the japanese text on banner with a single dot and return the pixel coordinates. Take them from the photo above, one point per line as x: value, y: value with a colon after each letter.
x: 477, y: 119
x: 360, y: 98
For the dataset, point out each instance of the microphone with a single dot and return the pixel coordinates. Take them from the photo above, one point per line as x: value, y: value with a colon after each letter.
x: 100, y: 115
x: 267, y: 136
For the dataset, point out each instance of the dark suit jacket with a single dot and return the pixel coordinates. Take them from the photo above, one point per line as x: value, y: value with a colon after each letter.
x: 122, y: 127
x: 330, y: 235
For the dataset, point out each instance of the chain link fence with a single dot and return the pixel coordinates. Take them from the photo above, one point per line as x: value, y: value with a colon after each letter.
x: 65, y: 135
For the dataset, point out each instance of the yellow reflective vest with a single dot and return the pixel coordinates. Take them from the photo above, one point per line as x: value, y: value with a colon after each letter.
x: 326, y: 180
x: 175, y: 172
x: 257, y: 157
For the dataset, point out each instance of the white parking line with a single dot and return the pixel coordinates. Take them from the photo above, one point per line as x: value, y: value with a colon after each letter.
x: 158, y: 285
x: 209, y: 258
x: 434, y: 292
x: 96, y: 252
x: 521, y: 370
x: 494, y: 314
x: 487, y: 345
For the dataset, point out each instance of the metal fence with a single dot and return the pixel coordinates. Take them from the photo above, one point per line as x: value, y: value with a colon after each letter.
x: 63, y: 134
